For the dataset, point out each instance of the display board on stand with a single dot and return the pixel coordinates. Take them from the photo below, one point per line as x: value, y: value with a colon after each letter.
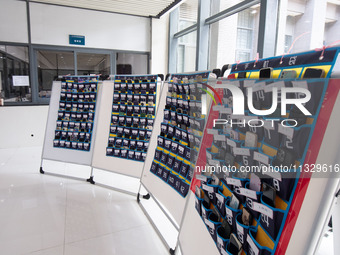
x: 238, y: 213
x: 175, y: 142
x: 125, y: 124
x: 72, y: 120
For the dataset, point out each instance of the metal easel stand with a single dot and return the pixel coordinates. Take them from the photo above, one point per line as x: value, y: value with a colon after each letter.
x: 147, y: 197
x: 336, y: 223
x: 92, y: 181
x: 42, y: 171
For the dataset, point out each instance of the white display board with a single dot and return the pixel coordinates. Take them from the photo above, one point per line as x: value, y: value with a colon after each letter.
x: 194, y: 238
x: 100, y: 160
x: 63, y: 154
x: 320, y: 195
x: 163, y: 192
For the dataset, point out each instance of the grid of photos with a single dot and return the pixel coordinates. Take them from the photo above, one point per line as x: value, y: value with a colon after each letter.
x: 181, y: 131
x: 77, y: 106
x: 133, y: 114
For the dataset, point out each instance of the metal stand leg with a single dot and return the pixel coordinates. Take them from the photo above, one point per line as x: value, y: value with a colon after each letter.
x: 90, y: 180
x: 146, y: 197
x: 41, y: 168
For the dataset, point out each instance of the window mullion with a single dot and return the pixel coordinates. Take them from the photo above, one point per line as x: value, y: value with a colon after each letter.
x: 75, y: 62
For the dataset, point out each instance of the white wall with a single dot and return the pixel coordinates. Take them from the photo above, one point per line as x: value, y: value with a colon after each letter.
x: 282, y: 21
x: 13, y: 21
x: 53, y: 24
x: 19, y: 123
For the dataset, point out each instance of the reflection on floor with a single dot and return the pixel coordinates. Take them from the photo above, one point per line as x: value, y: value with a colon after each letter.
x: 326, y: 245
x: 41, y: 214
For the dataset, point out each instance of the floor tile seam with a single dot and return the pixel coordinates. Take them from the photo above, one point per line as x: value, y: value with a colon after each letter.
x: 44, y: 249
x: 86, y: 239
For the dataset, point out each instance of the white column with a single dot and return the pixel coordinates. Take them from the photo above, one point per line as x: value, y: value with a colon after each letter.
x: 202, y: 41
x: 159, y: 50
x: 282, y: 22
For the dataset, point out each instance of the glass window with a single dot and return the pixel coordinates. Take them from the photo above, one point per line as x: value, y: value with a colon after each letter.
x: 52, y: 64
x: 288, y: 42
x: 90, y: 63
x: 221, y: 5
x: 14, y: 74
x: 130, y: 63
x: 244, y: 37
x: 187, y: 14
x: 234, y: 38
x: 186, y: 53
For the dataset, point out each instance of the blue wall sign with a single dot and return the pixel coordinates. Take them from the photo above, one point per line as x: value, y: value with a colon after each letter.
x: 77, y: 39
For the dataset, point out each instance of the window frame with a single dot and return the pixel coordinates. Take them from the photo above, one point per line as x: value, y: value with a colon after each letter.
x: 33, y: 65
x: 266, y: 35
x: 29, y: 65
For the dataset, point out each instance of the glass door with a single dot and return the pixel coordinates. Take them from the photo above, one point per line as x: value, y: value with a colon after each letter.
x: 51, y: 65
x: 92, y: 63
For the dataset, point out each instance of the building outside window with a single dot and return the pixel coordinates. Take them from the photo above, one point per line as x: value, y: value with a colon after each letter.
x: 307, y: 24
x: 186, y: 50
x: 245, y: 35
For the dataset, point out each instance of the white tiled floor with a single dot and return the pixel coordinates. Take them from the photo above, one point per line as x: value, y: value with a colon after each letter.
x: 48, y: 215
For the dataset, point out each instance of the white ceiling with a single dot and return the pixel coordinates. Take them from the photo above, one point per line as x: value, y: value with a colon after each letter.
x: 146, y: 8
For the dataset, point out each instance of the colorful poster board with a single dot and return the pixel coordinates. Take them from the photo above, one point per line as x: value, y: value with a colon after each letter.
x: 223, y: 204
